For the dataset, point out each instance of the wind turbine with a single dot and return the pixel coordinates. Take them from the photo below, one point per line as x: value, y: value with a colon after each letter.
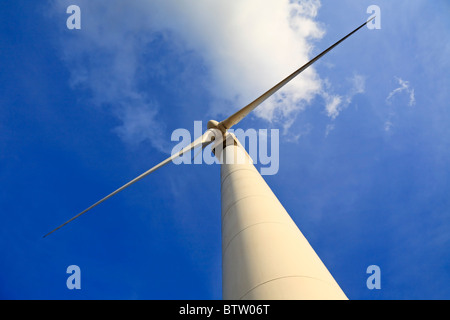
x: 264, y: 254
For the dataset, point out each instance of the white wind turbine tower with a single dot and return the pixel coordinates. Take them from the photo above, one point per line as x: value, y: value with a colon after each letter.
x: 264, y: 254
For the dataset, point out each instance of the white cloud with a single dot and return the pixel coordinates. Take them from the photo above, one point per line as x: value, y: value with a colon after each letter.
x: 358, y: 85
x: 412, y: 98
x: 334, y: 104
x: 248, y: 46
x: 330, y: 127
x: 104, y: 58
x: 404, y: 87
x: 388, y: 125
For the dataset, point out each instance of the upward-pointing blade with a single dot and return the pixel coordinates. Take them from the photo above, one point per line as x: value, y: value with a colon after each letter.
x: 205, y: 138
x: 241, y: 114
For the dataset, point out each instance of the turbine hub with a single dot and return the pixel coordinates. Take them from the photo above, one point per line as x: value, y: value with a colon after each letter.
x: 212, y: 124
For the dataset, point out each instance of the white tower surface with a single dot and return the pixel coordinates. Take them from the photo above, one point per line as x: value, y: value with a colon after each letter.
x: 264, y: 254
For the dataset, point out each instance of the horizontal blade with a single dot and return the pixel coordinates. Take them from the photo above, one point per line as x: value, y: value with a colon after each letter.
x: 241, y: 114
x: 203, y: 139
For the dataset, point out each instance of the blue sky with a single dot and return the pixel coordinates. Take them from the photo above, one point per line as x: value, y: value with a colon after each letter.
x: 364, y: 143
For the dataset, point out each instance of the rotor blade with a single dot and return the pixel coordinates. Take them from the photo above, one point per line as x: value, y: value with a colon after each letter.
x: 241, y: 114
x: 204, y: 145
x: 203, y: 139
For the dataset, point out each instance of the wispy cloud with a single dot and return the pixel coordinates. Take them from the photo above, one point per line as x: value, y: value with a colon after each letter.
x: 330, y: 127
x: 404, y: 87
x: 388, y: 125
x: 358, y: 85
x: 335, y: 104
x: 104, y: 59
